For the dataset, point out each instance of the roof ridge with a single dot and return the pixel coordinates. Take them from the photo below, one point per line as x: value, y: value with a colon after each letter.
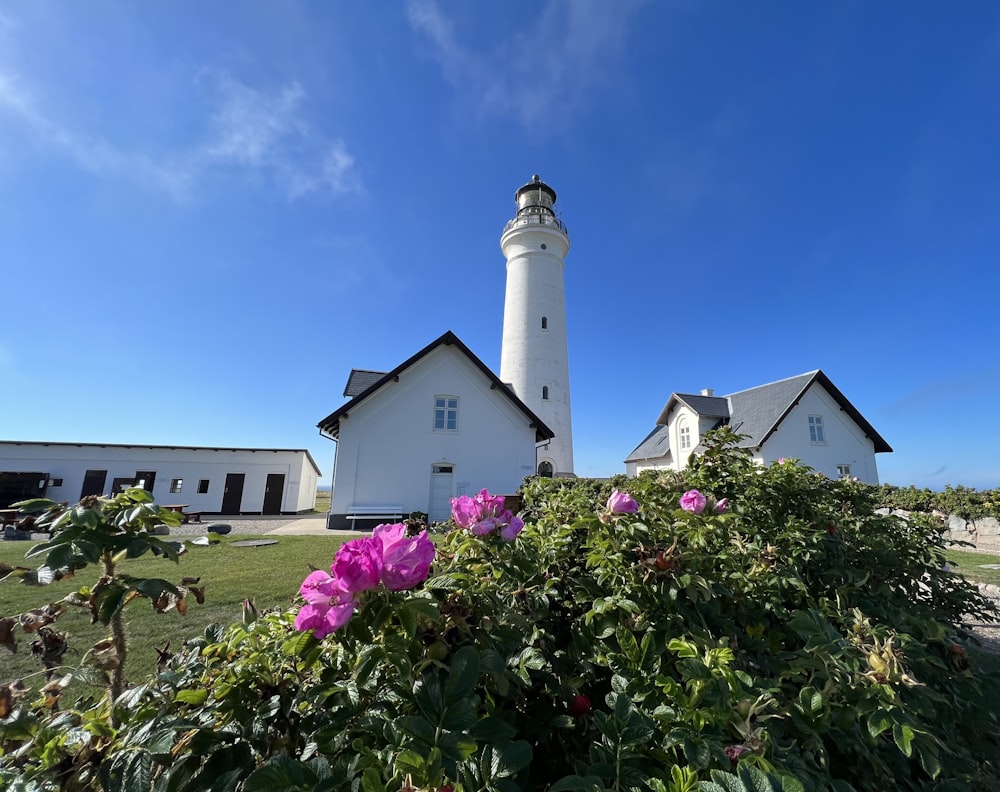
x: 812, y: 373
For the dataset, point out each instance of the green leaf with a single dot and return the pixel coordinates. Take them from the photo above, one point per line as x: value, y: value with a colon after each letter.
x: 194, y: 697
x: 463, y: 673
x: 903, y: 735
x: 129, y: 769
x: 682, y: 648
x: 280, y: 773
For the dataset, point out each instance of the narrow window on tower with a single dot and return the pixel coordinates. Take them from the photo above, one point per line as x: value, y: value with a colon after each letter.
x: 545, y: 323
x: 446, y: 413
x: 545, y: 392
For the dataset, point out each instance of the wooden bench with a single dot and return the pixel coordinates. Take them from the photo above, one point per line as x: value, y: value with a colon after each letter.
x: 374, y: 512
x: 190, y: 517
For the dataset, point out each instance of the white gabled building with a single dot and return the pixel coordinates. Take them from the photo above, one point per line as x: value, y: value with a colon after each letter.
x: 804, y: 417
x: 203, y: 479
x: 439, y: 425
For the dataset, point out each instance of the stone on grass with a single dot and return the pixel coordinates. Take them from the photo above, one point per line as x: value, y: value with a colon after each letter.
x: 219, y: 528
x: 160, y: 530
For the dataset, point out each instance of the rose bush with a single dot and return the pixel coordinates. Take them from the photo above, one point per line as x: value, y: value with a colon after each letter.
x: 665, y: 650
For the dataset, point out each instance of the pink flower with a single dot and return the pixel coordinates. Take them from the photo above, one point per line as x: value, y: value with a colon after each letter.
x: 318, y: 588
x: 693, y: 501
x: 405, y: 561
x: 484, y: 514
x: 510, y: 531
x: 323, y: 619
x: 465, y: 511
x: 358, y: 565
x: 734, y: 752
x: 622, y: 503
x: 722, y: 506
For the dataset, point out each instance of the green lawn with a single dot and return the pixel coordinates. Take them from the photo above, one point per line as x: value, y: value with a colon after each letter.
x: 269, y: 575
x: 971, y: 564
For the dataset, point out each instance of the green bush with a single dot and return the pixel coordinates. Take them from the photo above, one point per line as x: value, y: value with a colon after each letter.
x: 793, y: 640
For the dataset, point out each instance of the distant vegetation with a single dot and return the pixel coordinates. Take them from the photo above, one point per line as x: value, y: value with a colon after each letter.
x: 964, y: 502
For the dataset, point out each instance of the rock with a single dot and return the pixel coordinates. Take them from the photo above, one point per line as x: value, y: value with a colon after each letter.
x: 957, y: 525
x: 987, y: 526
x: 219, y: 528
x: 160, y: 530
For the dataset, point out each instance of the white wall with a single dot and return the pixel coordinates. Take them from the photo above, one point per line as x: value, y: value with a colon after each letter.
x: 387, y: 444
x: 70, y: 463
x: 845, y: 443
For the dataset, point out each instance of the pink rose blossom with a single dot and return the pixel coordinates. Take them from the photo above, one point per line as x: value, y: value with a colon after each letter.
x: 405, y: 560
x: 324, y: 619
x: 485, y: 514
x: 693, y: 501
x: 358, y: 565
x: 318, y: 588
x: 722, y: 506
x: 465, y: 511
x: 510, y: 531
x: 622, y: 503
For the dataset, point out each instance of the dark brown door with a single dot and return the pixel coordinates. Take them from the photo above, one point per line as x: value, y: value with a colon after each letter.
x: 145, y: 479
x: 232, y: 496
x: 93, y: 483
x: 273, y: 491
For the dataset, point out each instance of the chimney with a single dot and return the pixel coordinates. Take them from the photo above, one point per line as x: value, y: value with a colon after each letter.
x: 707, y: 392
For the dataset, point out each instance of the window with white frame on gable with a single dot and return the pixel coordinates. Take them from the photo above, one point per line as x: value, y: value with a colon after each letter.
x: 685, y: 435
x: 446, y: 413
x: 844, y: 471
x: 816, y: 434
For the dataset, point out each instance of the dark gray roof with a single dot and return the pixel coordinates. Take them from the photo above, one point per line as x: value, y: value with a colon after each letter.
x: 360, y: 381
x: 330, y: 426
x: 759, y: 411
x: 654, y: 446
x: 756, y: 412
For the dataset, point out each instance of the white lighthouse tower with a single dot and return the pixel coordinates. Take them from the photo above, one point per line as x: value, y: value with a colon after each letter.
x: 533, y: 357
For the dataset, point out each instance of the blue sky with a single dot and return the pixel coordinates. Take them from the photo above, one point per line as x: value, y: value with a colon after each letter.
x: 212, y: 212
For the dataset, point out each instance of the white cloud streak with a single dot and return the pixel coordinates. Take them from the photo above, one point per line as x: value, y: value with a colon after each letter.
x: 249, y: 131
x: 549, y: 69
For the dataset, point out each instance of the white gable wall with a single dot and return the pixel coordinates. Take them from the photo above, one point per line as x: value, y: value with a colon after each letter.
x: 387, y: 444
x: 70, y: 462
x: 845, y: 442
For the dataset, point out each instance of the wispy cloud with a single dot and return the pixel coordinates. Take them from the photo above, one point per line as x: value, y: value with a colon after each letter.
x: 247, y: 130
x: 548, y: 70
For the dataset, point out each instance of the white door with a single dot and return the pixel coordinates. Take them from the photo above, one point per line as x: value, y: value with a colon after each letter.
x: 442, y: 479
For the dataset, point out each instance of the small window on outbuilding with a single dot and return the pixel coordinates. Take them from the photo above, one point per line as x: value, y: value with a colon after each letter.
x: 545, y: 392
x: 176, y: 485
x: 545, y: 323
x: 203, y: 486
x: 844, y: 471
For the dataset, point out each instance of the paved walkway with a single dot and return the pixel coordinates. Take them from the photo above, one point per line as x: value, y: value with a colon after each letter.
x: 307, y: 526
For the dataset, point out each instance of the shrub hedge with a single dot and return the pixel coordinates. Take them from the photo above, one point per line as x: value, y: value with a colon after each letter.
x: 784, y: 637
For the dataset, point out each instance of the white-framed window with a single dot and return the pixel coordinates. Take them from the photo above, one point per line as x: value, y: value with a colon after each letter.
x: 176, y: 485
x: 685, y: 435
x: 844, y: 471
x: 446, y: 413
x: 816, y: 434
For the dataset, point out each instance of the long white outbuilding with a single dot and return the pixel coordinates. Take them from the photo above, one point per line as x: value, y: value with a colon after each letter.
x: 202, y: 479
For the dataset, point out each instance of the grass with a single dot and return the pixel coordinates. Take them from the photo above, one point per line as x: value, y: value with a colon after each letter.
x: 971, y: 563
x: 269, y: 575
x: 323, y: 500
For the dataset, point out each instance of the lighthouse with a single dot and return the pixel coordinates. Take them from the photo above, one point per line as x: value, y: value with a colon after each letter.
x: 534, y: 357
